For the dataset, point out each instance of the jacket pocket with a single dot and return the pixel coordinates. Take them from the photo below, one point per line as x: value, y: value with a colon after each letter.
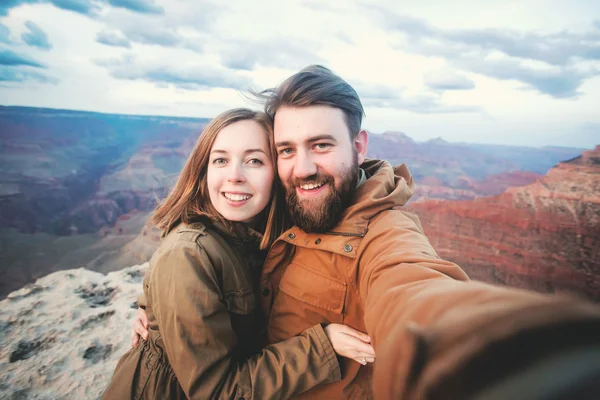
x: 314, y: 288
x: 241, y: 302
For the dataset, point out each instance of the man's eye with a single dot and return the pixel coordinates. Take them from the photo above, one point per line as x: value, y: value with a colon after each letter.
x: 322, y: 146
x: 287, y: 151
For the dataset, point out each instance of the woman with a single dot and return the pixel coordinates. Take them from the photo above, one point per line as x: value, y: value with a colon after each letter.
x: 200, y: 290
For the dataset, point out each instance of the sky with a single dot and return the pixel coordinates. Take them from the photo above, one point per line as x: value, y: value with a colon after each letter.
x: 508, y: 72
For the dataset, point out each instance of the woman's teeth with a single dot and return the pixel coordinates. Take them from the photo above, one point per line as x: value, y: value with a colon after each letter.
x: 237, y: 197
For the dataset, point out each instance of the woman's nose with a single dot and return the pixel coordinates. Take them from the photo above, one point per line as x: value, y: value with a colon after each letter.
x: 236, y: 174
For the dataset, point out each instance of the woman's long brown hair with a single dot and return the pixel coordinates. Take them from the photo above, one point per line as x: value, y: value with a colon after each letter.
x: 189, y: 198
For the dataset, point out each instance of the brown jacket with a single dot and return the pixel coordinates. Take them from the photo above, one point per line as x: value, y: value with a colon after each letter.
x: 377, y: 272
x: 204, y: 328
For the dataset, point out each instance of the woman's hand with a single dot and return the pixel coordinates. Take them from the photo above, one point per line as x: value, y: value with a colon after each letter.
x: 350, y: 343
x: 139, y: 328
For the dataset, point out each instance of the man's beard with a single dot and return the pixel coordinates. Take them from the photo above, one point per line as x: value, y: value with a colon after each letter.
x: 324, y: 216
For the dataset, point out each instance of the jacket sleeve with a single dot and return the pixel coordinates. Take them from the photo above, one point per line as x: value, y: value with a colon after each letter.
x: 199, y: 340
x: 426, y: 319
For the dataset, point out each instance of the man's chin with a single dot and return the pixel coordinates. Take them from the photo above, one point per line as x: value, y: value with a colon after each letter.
x: 311, y: 205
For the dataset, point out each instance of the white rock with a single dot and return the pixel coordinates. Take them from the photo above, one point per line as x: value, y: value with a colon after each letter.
x: 62, y: 336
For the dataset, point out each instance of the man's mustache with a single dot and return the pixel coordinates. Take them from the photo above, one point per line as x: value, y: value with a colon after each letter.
x: 316, y: 178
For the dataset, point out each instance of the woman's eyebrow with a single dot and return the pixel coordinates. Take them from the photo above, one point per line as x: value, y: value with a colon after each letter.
x: 245, y: 152
x: 254, y: 151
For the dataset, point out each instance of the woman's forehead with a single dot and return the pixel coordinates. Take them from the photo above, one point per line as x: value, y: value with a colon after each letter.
x: 241, y: 136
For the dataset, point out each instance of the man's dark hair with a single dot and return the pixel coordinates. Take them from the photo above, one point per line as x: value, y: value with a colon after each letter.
x: 316, y: 85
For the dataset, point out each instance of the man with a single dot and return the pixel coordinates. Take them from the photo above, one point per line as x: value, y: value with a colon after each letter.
x: 355, y: 257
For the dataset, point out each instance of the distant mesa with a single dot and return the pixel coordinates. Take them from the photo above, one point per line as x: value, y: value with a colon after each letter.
x: 438, y: 141
x: 397, y: 137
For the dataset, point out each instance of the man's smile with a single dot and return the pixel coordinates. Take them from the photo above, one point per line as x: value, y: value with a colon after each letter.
x: 311, y: 189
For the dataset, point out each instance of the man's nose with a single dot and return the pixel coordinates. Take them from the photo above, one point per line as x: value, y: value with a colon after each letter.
x: 236, y: 174
x: 304, y: 166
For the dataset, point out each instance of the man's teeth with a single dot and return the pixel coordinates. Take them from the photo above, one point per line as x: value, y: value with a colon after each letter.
x: 237, y: 197
x: 311, y: 186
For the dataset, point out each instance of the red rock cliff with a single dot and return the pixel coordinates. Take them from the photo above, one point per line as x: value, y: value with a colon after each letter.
x: 544, y: 236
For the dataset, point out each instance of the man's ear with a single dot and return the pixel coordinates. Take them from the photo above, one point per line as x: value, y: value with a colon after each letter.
x: 361, y: 143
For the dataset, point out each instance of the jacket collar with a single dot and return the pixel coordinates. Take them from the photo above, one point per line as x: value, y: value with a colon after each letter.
x: 237, y: 231
x: 386, y: 187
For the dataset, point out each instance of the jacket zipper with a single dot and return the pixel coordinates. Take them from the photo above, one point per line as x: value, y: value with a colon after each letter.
x: 346, y: 234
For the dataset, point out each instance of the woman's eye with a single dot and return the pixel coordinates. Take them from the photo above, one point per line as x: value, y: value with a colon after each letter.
x: 255, y: 161
x: 219, y: 161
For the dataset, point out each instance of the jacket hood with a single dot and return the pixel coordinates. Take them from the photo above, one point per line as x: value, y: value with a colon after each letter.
x: 386, y: 187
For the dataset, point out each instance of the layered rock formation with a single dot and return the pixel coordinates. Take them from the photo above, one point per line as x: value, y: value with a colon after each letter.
x: 62, y: 336
x: 544, y: 236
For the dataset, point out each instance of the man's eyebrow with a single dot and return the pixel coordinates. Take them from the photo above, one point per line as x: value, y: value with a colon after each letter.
x: 284, y: 143
x: 310, y: 140
x: 322, y: 137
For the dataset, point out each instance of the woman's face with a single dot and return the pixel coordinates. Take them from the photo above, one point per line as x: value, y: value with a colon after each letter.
x: 240, y: 173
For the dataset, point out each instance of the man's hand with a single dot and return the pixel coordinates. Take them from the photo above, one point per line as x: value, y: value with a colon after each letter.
x: 139, y: 328
x: 350, y: 343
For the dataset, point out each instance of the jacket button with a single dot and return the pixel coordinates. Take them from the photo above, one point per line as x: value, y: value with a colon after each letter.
x: 292, y: 235
x: 347, y: 248
x: 318, y: 241
x: 265, y: 292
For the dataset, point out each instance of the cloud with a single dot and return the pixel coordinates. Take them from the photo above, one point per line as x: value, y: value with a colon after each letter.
x: 141, y: 6
x: 343, y: 37
x: 558, y: 82
x: 12, y: 74
x: 9, y: 58
x: 150, y: 35
x: 4, y: 34
x: 558, y: 56
x: 556, y: 49
x: 277, y: 52
x: 6, y: 5
x: 36, y: 36
x: 448, y: 80
x: 384, y: 96
x: 153, y: 35
x: 190, y: 77
x: 88, y: 7
x: 113, y: 38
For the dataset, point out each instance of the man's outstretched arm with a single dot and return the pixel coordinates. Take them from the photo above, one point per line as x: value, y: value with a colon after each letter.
x: 436, y: 332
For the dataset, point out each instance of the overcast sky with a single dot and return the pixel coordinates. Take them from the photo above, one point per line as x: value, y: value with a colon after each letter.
x: 507, y: 72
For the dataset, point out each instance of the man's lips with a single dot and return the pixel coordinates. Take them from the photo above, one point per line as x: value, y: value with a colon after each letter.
x: 312, y: 192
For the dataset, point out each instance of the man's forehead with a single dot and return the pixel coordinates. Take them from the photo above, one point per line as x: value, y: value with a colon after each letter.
x: 303, y: 123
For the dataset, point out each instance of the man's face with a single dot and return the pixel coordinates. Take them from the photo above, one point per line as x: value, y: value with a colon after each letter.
x: 317, y: 163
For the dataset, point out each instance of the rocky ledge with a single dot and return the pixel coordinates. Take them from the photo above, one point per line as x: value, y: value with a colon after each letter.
x: 61, y: 337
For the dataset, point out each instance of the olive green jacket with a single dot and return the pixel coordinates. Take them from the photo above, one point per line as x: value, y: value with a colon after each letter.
x: 205, y: 327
